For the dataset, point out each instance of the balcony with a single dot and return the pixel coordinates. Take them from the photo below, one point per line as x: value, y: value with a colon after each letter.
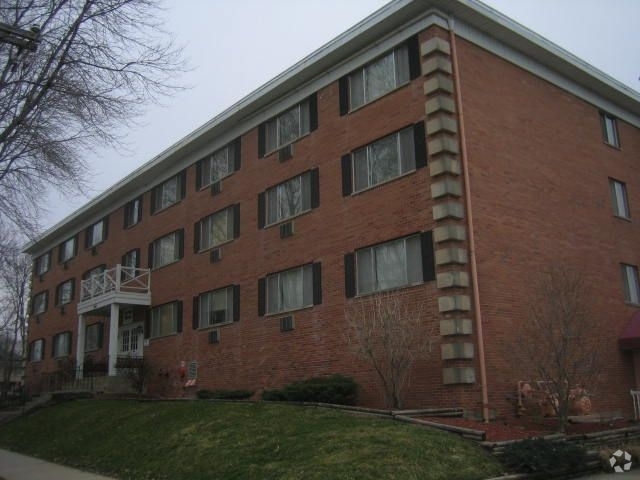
x: 122, y: 285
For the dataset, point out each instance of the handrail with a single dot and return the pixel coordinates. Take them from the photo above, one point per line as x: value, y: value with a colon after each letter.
x: 119, y: 279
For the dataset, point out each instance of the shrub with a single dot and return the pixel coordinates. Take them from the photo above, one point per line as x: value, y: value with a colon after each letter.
x: 543, y: 456
x: 336, y: 389
x: 224, y: 394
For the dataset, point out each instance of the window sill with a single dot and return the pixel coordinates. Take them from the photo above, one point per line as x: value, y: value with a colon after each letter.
x: 208, y: 249
x: 94, y: 245
x: 624, y: 219
x: 285, y: 312
x: 370, y: 102
x: 632, y: 304
x: 372, y: 187
x: 280, y: 147
x: 610, y: 145
x: 164, y: 209
x: 288, y: 219
x: 127, y: 227
x: 217, y: 325
x: 208, y: 185
x: 389, y: 290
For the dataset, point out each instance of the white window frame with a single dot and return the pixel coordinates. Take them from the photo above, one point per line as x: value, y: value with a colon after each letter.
x: 630, y: 283
x: 212, y: 302
x: 43, y: 267
x: 610, y: 130
x: 160, y: 203
x: 61, y: 292
x: 173, y: 237
x: 363, y: 72
x: 36, y: 298
x: 96, y: 233
x: 133, y: 212
x: 36, y: 353
x: 370, y: 254
x: 619, y: 199
x: 223, y: 156
x: 405, y: 159
x: 225, y: 217
x: 128, y: 256
x: 91, y: 339
x: 165, y: 309
x: 281, y: 195
x: 273, y: 127
x: 61, y: 341
x: 68, y: 249
x: 275, y: 290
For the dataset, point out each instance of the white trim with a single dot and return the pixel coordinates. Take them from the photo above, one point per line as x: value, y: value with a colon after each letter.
x: 362, y: 43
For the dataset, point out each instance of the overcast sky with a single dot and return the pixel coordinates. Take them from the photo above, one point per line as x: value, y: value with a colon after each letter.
x: 234, y: 46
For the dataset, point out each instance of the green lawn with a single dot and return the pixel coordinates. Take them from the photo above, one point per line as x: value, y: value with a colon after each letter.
x: 245, y: 441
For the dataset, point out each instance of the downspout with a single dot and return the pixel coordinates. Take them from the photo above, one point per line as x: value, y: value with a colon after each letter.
x: 472, y: 245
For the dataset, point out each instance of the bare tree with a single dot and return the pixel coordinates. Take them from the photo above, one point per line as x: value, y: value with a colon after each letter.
x: 92, y: 67
x: 556, y: 344
x: 391, y: 334
x: 15, y: 271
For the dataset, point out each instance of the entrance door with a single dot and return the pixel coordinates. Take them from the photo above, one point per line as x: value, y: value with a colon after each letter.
x: 130, y: 338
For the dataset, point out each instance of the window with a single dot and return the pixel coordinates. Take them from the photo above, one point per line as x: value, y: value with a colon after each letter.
x: 631, y: 283
x: 40, y: 303
x: 291, y: 289
x: 167, y: 249
x: 379, y: 77
x: 64, y: 292
x: 93, y: 337
x: 36, y: 351
x: 385, y: 159
x: 96, y: 233
x: 62, y: 344
x: 166, y: 319
x: 609, y: 130
x: 394, y: 264
x: 218, y: 165
x: 289, y: 126
x: 619, y: 199
x: 289, y: 199
x: 131, y: 259
x: 95, y: 282
x: 133, y: 212
x: 68, y: 249
x: 168, y: 193
x: 43, y: 263
x: 217, y: 307
x: 217, y: 228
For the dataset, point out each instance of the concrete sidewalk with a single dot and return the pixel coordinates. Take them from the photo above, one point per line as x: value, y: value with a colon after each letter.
x: 14, y: 466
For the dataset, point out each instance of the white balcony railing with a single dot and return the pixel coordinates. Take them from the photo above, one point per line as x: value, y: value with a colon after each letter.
x: 118, y: 280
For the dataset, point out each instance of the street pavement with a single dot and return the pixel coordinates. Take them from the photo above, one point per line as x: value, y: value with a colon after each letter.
x: 14, y: 466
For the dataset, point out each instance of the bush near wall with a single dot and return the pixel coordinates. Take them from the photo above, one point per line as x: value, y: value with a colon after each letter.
x: 336, y: 389
x: 542, y: 456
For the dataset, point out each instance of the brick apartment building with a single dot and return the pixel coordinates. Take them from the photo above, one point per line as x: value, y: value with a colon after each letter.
x: 437, y: 147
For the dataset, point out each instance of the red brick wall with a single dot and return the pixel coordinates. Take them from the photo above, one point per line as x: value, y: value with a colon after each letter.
x: 539, y: 182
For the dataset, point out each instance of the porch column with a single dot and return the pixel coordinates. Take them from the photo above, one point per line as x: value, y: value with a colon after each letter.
x: 80, y: 346
x: 113, y: 338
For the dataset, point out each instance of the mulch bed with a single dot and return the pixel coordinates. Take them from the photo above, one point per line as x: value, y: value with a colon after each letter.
x: 520, y: 428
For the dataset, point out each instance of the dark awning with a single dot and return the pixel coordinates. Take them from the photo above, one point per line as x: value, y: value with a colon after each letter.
x: 630, y: 338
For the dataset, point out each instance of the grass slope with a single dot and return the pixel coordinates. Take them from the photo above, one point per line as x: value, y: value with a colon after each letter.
x: 205, y: 440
